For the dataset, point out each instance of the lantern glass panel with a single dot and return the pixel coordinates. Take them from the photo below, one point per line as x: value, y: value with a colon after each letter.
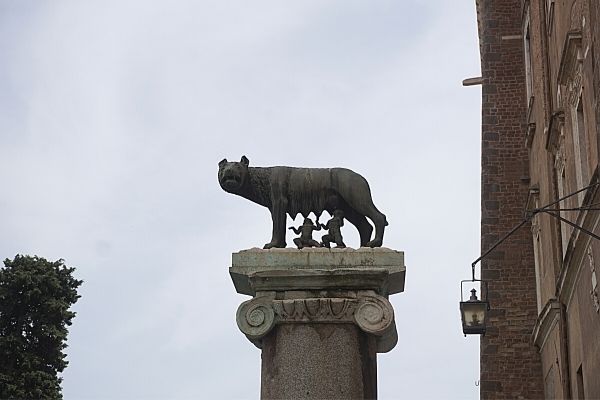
x: 473, y: 314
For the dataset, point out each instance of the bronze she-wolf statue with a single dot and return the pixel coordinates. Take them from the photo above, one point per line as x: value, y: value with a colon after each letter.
x: 304, y: 190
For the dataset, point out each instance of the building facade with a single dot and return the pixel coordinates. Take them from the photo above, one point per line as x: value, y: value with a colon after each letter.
x: 540, y: 65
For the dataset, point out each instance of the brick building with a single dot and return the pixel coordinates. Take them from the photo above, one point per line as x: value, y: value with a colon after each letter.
x: 540, y: 65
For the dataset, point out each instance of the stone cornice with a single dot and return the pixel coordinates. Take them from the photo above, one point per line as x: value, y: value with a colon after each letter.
x: 377, y: 279
x: 258, y: 270
x: 570, y: 56
x: 547, y: 319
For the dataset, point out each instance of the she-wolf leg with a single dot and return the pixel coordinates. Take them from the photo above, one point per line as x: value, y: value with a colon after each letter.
x: 365, y: 230
x: 379, y: 221
x: 278, y: 214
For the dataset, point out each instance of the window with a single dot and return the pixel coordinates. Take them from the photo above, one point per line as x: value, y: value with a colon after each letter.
x: 528, y: 65
x: 580, y: 148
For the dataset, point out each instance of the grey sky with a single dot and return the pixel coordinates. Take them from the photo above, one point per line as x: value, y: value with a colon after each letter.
x: 114, y: 115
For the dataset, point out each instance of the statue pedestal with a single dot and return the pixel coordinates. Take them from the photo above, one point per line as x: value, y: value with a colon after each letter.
x: 320, y: 317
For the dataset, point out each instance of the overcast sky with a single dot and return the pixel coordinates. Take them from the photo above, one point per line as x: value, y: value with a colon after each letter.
x: 114, y: 115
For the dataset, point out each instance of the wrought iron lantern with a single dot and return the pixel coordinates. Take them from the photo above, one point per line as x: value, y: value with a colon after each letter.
x: 473, y: 313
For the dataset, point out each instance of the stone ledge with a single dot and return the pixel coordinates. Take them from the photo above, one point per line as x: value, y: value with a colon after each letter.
x: 378, y: 269
x: 318, y: 257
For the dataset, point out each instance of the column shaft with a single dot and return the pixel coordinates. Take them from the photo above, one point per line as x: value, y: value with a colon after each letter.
x: 318, y: 361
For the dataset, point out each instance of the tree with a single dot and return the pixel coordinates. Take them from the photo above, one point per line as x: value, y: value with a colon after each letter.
x: 35, y: 297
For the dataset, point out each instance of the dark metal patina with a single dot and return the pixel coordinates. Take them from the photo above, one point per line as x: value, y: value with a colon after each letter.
x: 304, y: 190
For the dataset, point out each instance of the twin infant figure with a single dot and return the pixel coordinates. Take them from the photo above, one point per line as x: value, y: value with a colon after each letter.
x: 334, y: 234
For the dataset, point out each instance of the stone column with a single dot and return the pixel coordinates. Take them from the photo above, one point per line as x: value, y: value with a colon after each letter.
x: 320, y: 317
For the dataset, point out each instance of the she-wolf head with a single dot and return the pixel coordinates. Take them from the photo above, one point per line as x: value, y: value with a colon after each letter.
x: 233, y: 175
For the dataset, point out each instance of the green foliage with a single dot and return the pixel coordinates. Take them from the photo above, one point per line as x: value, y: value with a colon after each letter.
x: 35, y: 297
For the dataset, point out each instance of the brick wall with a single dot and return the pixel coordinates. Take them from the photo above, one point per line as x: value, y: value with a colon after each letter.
x: 510, y: 365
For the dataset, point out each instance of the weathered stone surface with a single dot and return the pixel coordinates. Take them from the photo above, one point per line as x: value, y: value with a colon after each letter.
x: 372, y: 313
x: 320, y: 317
x: 319, y: 257
x: 380, y: 269
x: 318, y: 361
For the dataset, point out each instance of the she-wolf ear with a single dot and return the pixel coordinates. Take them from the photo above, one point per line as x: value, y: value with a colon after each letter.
x: 222, y: 162
x: 245, y: 161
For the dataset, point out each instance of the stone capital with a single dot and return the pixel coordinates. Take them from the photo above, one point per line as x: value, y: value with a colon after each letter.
x: 372, y: 313
x: 319, y: 286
